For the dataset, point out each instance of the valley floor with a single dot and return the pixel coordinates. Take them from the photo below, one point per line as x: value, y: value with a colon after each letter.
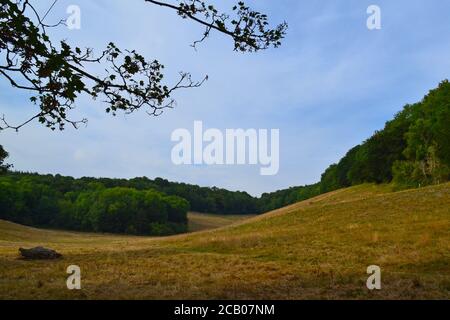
x: 316, y: 249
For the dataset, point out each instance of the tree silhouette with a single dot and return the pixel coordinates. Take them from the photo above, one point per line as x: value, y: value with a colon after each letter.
x: 56, y: 73
x: 3, y: 155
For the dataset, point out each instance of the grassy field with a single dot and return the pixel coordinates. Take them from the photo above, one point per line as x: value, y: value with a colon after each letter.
x: 316, y: 249
x: 204, y: 221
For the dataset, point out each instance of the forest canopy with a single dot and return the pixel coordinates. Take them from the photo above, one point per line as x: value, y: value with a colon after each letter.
x: 412, y: 149
x: 31, y: 200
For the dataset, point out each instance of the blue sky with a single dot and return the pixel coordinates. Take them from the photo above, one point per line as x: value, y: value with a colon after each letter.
x: 329, y: 87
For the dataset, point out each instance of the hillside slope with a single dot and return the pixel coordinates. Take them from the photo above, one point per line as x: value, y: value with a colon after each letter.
x: 319, y: 248
x: 206, y: 221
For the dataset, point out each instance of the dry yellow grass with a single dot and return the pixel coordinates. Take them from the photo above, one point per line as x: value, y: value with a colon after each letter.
x: 316, y: 249
x: 203, y: 221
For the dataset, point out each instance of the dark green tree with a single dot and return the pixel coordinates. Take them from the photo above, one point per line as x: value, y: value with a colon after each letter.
x: 329, y: 180
x: 428, y: 151
x: 4, y: 167
x: 412, y: 149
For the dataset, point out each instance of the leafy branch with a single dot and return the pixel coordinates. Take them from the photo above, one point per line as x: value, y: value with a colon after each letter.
x: 57, y: 74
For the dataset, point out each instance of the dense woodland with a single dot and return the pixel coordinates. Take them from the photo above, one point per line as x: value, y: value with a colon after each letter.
x: 412, y: 150
x: 55, y: 202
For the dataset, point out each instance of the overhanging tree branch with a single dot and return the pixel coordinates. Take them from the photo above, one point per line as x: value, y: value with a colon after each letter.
x: 57, y: 74
x: 249, y: 29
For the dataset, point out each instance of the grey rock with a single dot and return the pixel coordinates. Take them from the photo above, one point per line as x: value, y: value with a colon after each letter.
x: 39, y: 253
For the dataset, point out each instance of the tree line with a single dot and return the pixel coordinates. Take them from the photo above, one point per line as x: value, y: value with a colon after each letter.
x: 412, y: 150
x: 201, y: 199
x: 47, y: 201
